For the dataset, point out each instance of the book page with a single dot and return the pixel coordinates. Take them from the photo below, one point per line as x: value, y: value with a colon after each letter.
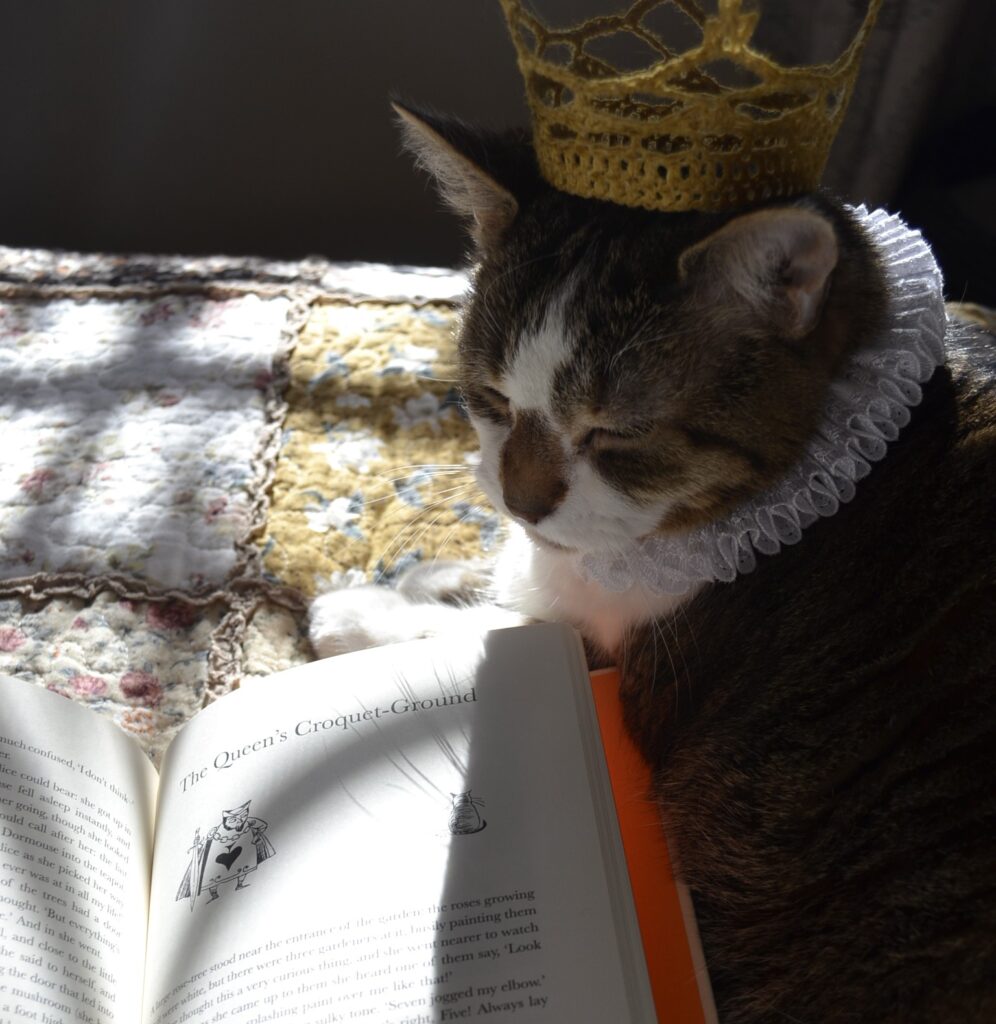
x: 76, y: 808
x: 396, y: 836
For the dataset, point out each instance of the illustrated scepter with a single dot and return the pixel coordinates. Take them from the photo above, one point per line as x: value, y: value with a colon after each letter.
x: 195, y: 867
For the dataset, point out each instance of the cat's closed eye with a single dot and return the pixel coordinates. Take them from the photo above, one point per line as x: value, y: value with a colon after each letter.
x: 605, y: 439
x: 489, y: 402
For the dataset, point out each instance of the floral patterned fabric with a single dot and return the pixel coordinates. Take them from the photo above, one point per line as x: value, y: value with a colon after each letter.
x: 194, y: 447
x: 373, y: 471
x: 142, y: 663
x: 129, y: 432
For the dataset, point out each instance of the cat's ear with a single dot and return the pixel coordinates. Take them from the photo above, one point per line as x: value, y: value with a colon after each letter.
x: 777, y: 261
x: 458, y: 158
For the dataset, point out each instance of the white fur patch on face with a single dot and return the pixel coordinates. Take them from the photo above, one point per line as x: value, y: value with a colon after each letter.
x: 528, y: 383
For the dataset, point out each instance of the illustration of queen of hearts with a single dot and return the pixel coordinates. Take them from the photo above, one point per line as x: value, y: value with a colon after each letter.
x: 228, y: 852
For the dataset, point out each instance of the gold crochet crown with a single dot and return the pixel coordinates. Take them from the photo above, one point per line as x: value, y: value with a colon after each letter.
x: 673, y: 136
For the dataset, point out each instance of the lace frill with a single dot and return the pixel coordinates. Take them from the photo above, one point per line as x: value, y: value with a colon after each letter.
x: 868, y: 406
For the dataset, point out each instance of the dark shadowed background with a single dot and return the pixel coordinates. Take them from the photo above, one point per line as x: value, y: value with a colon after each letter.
x: 262, y: 126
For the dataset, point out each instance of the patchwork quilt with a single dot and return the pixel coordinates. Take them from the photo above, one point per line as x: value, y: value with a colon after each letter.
x: 190, y: 449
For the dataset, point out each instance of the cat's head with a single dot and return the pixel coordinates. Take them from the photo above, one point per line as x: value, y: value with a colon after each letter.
x: 632, y: 373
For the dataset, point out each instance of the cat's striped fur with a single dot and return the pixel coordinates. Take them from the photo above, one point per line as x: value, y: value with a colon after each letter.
x: 825, y: 739
x: 823, y: 731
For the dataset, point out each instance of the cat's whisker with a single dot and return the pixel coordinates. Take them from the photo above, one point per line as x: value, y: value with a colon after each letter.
x: 405, y: 538
x: 401, y: 540
x: 640, y: 340
x: 441, y: 549
x: 431, y: 467
x: 685, y: 676
x: 439, y: 495
x: 406, y: 472
x: 683, y: 612
x: 414, y: 541
x: 452, y: 495
x: 483, y: 295
x: 659, y: 621
x: 462, y: 477
x: 439, y: 508
x: 655, y: 620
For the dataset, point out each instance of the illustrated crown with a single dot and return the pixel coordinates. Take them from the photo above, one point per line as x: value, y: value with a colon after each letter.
x: 673, y: 136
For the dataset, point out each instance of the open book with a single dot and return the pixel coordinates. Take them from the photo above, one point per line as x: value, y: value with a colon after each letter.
x: 418, y: 833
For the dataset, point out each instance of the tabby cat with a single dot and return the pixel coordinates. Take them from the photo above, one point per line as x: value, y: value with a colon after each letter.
x: 816, y: 699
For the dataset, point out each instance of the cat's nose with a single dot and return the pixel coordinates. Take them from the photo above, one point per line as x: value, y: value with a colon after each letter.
x: 532, y: 469
x: 531, y: 508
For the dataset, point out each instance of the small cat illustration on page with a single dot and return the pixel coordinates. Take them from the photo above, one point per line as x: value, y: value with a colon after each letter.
x: 465, y: 819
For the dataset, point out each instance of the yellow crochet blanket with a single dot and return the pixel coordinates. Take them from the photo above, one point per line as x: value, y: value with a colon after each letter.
x: 373, y: 471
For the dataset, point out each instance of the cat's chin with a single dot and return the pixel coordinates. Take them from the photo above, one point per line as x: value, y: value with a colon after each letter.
x: 544, y: 542
x: 560, y: 548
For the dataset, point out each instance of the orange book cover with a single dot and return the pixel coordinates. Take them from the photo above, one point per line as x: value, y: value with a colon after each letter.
x: 678, y: 977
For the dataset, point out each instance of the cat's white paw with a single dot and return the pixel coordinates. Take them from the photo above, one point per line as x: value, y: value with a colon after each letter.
x: 355, y: 618
x: 370, y: 616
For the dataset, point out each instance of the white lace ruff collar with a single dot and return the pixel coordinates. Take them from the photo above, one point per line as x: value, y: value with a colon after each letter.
x: 869, y: 404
